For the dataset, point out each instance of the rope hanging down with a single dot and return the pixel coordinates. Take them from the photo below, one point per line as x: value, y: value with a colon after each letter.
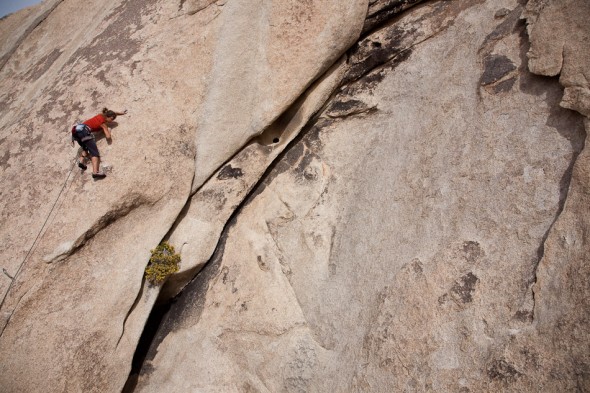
x: 37, y: 238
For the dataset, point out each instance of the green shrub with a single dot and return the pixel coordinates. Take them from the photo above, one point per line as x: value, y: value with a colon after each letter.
x: 163, y: 262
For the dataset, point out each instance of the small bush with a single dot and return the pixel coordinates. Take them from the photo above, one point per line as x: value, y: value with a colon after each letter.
x: 163, y: 262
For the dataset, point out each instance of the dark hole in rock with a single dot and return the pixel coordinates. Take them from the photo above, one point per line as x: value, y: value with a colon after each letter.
x: 275, y: 140
x: 147, y: 337
x: 376, y: 45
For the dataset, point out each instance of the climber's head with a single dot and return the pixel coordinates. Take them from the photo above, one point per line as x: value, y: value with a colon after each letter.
x: 109, y: 114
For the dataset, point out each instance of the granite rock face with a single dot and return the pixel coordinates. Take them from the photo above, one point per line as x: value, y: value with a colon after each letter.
x: 74, y: 250
x: 399, y: 244
x: 382, y: 195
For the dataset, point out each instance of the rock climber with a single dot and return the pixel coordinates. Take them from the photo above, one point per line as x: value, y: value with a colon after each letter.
x: 83, y: 134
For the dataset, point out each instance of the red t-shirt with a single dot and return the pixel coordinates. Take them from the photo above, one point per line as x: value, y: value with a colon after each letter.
x: 96, y: 122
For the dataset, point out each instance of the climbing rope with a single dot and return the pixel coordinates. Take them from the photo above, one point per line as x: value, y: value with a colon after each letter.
x: 13, y: 278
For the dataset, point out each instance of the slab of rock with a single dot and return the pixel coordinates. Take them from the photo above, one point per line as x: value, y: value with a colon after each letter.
x: 267, y: 54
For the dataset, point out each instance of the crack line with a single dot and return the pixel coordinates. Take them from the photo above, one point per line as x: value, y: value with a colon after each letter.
x: 130, y: 311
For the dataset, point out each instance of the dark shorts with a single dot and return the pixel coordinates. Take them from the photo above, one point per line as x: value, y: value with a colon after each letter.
x: 85, y: 139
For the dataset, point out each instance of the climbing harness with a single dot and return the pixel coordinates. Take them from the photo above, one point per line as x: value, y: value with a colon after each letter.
x: 82, y: 132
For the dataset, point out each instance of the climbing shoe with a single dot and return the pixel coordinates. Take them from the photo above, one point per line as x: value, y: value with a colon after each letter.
x: 98, y: 175
x: 82, y: 166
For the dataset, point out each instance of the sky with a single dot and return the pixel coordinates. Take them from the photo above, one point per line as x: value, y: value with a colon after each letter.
x: 10, y: 6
